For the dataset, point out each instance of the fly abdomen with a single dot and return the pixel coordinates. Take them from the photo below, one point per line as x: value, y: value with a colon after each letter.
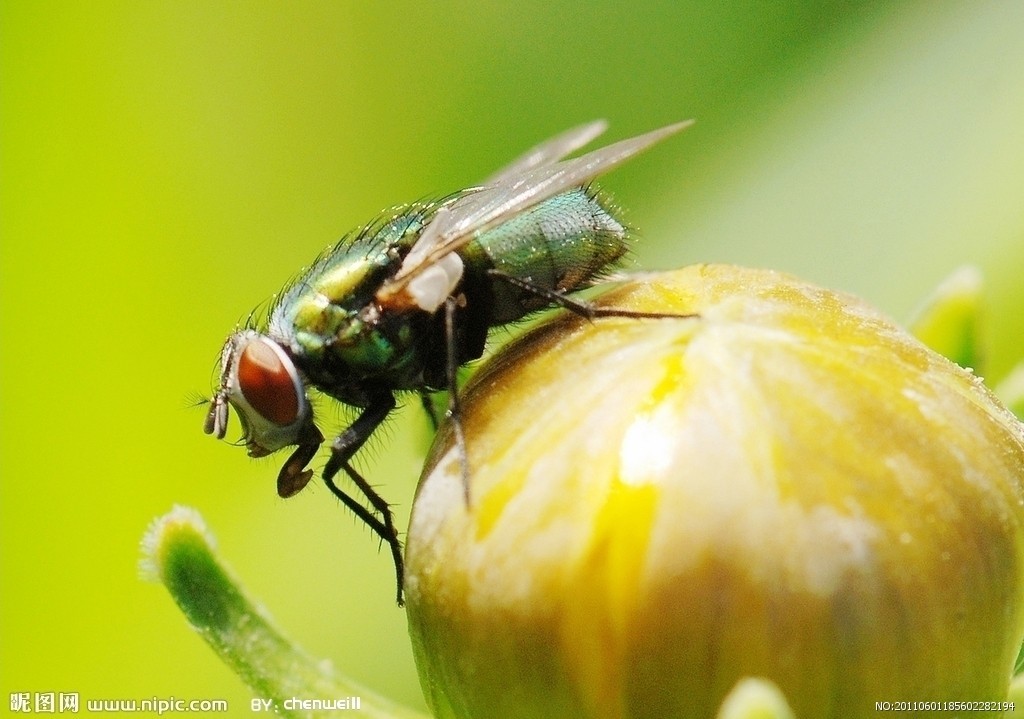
x: 562, y: 244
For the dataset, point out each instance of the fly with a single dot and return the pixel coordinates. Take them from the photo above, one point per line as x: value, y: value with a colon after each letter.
x: 401, y: 304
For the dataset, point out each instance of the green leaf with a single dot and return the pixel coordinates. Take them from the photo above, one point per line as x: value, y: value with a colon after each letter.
x: 178, y: 551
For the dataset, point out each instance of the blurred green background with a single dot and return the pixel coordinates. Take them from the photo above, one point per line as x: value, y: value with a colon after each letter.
x: 167, y: 166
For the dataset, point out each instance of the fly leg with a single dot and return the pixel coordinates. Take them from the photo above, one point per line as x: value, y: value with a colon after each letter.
x: 347, y: 443
x: 342, y: 450
x: 430, y: 410
x: 385, y: 530
x: 581, y: 307
x: 451, y: 372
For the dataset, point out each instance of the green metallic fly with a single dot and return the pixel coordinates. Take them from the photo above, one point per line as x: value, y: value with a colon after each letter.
x: 401, y: 304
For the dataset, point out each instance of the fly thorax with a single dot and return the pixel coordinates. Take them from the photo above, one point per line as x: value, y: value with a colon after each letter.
x: 358, y: 349
x: 318, y: 327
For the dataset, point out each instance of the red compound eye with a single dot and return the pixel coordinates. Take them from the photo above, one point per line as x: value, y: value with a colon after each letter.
x: 267, y: 384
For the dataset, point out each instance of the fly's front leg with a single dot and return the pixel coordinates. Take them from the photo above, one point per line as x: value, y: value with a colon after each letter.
x: 347, y: 443
x: 582, y: 307
x: 342, y: 450
x: 385, y: 530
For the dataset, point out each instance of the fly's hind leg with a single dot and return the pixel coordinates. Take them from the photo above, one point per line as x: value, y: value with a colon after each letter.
x: 582, y: 307
x: 342, y: 450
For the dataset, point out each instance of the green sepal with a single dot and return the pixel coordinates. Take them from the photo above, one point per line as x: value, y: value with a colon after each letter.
x: 1011, y: 390
x: 949, y: 319
x: 1016, y: 696
x: 178, y: 551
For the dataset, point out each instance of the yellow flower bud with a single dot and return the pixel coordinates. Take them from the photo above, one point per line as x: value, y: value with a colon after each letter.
x: 788, y: 486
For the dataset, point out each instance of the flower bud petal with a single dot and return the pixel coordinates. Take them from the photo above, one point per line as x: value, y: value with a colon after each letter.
x: 788, y: 486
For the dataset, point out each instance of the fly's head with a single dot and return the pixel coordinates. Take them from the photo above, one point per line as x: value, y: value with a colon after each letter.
x: 261, y: 382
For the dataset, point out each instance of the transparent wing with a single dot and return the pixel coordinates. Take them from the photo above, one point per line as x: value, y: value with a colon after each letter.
x: 535, y: 177
x: 551, y: 150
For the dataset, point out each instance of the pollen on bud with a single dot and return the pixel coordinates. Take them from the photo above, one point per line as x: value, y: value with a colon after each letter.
x: 787, y: 487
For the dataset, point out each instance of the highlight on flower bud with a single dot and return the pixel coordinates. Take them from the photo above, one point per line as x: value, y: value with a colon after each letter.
x: 789, y: 487
x: 753, y: 698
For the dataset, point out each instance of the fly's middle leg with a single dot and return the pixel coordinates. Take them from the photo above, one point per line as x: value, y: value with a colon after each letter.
x: 451, y: 304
